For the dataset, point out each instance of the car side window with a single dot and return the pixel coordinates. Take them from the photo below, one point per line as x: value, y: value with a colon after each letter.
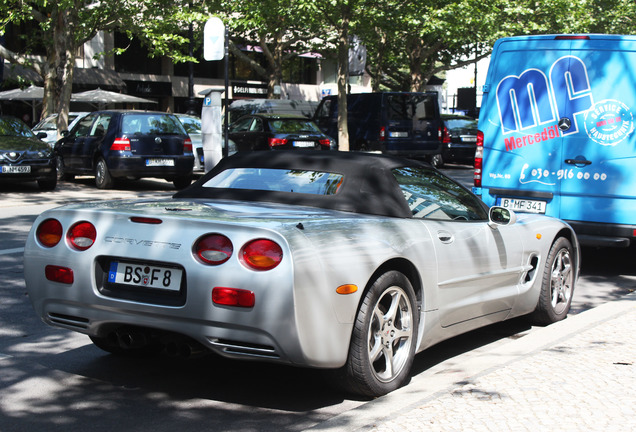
x: 431, y: 195
x: 242, y: 125
x: 83, y: 127
x: 257, y: 125
x: 100, y: 126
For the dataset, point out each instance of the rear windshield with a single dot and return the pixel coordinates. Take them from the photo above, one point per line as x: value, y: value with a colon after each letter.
x: 292, y: 126
x: 281, y: 180
x: 151, y: 124
x: 411, y: 106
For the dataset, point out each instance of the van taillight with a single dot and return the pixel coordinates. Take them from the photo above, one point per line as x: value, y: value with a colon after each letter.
x: 187, y: 146
x: 444, y: 135
x: 479, y: 159
x: 382, y: 133
x: 120, y: 144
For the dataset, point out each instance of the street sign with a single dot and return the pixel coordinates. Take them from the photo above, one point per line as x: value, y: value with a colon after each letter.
x: 214, y: 39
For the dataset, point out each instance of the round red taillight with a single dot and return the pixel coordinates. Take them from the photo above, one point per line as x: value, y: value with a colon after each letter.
x: 213, y: 249
x: 49, y: 232
x: 82, y: 235
x: 262, y: 254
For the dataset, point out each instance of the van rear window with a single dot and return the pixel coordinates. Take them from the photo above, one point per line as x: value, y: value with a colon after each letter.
x: 410, y: 106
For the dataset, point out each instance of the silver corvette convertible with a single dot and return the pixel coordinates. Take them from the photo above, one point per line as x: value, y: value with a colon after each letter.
x: 345, y: 261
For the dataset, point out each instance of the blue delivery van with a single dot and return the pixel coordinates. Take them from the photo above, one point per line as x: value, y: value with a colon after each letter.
x: 556, y: 132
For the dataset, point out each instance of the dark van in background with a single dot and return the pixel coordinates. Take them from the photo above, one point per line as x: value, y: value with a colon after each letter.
x: 406, y: 124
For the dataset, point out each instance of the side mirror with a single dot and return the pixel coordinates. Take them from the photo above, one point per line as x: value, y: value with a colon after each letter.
x: 41, y: 135
x: 501, y: 216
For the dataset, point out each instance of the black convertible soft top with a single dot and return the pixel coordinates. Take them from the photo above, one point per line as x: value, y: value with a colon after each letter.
x: 368, y: 187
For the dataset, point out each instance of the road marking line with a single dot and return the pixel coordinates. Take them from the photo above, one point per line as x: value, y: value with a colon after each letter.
x: 11, y: 251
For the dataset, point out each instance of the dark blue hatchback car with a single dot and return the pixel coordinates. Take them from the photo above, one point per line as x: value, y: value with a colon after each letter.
x: 126, y: 144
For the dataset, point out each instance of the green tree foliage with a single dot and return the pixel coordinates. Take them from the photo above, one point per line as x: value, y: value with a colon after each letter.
x: 279, y: 29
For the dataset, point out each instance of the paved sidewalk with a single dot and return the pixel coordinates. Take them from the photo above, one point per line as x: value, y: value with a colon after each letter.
x: 576, y: 375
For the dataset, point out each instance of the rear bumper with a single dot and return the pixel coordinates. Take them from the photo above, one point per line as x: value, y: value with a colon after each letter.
x: 136, y: 167
x: 604, y: 235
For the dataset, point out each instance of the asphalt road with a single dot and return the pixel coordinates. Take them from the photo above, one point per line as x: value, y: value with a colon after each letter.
x: 55, y: 380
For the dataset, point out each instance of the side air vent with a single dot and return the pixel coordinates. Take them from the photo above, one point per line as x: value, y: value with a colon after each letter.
x: 530, y: 274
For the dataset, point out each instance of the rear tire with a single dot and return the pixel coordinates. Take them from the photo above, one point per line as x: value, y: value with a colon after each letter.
x: 557, y: 285
x: 103, y: 179
x: 384, y: 337
x: 61, y: 170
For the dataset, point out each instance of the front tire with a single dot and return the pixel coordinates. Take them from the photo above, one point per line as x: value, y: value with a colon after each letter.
x: 384, y: 337
x: 557, y: 285
x: 103, y: 179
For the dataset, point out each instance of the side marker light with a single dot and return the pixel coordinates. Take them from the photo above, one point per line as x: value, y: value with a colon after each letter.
x: 346, y: 289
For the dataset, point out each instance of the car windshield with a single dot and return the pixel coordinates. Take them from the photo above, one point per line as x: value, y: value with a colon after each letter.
x: 151, y: 124
x: 14, y: 127
x: 281, y: 180
x: 292, y: 126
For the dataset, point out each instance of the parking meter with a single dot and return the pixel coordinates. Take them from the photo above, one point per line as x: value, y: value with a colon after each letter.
x: 211, y: 134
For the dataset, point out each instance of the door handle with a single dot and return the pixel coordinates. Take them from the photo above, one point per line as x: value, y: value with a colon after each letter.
x: 578, y: 162
x: 445, y: 236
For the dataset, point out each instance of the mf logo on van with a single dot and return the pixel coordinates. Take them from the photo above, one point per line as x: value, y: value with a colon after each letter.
x: 532, y: 98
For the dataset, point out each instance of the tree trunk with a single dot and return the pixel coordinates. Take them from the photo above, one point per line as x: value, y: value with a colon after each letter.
x: 343, y: 78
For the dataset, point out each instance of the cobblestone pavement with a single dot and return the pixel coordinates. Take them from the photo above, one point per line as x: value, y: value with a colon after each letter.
x: 576, y: 375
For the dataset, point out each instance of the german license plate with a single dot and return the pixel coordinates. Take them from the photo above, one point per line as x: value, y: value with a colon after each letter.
x: 303, y: 144
x: 523, y: 206
x: 470, y: 139
x: 398, y: 134
x: 159, y: 162
x: 164, y: 278
x: 21, y: 169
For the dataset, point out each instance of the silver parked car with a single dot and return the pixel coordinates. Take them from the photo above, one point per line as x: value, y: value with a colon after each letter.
x: 334, y: 260
x: 49, y: 125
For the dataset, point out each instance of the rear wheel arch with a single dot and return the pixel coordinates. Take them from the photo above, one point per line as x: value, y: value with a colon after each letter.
x: 407, y: 268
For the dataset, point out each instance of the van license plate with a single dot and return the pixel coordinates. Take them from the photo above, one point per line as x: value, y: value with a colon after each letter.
x: 159, y: 162
x: 398, y: 134
x: 523, y: 206
x: 164, y: 278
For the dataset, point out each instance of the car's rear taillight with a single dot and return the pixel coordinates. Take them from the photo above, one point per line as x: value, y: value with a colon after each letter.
x: 120, y: 144
x: 82, y: 235
x: 479, y: 159
x: 59, y: 274
x: 187, y: 146
x: 325, y: 142
x: 261, y: 254
x: 382, y: 133
x: 274, y: 142
x: 49, y: 232
x: 213, y: 249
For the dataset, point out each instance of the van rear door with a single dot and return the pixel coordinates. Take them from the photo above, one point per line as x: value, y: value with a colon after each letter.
x: 599, y: 148
x: 522, y: 143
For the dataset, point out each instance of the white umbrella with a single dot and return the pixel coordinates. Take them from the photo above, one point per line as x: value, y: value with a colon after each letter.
x: 31, y: 96
x: 100, y: 96
x: 32, y: 93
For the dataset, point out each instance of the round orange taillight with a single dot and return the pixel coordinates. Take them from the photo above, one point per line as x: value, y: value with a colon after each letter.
x: 49, y: 232
x: 213, y: 249
x: 82, y: 235
x: 261, y: 254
